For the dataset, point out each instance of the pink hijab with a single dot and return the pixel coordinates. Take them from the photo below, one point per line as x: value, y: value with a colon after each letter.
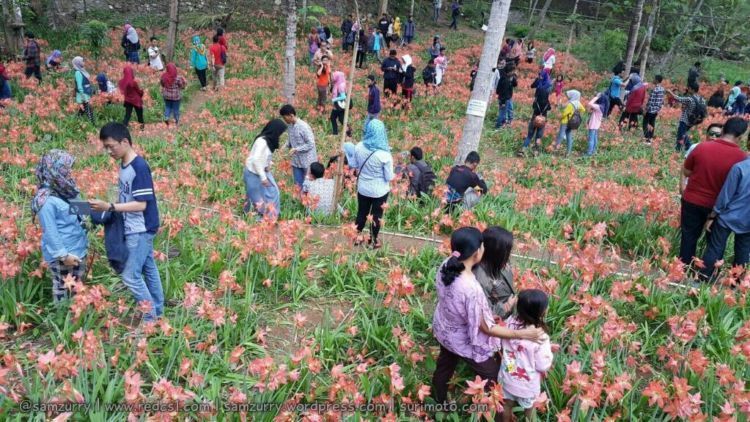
x: 550, y: 52
x: 339, y: 83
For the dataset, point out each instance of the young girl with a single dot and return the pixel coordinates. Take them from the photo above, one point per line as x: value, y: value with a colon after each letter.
x: 559, y: 85
x: 441, y: 65
x: 570, y: 120
x: 597, y: 106
x: 530, y: 53
x: 524, y: 362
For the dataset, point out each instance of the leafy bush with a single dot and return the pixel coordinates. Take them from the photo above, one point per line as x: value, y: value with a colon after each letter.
x: 94, y: 33
x: 518, y: 31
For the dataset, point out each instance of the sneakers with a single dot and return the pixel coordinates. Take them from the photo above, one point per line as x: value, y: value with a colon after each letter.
x: 522, y: 152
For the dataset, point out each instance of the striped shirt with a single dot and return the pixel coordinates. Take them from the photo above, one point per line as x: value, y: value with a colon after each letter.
x: 136, y: 185
x: 656, y: 100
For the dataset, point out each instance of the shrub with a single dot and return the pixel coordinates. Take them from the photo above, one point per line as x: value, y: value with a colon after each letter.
x: 94, y: 33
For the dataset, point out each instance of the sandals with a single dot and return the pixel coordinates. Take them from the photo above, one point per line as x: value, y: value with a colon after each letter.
x: 359, y: 240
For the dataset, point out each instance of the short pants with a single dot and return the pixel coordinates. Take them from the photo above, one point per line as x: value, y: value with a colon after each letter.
x: 523, y: 402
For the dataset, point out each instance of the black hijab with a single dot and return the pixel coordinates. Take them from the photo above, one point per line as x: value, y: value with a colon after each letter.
x: 271, y: 133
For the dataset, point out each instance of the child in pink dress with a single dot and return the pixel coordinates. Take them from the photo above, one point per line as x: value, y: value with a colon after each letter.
x: 559, y: 85
x: 525, y: 362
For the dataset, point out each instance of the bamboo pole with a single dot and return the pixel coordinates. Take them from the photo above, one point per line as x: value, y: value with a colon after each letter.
x: 352, y: 71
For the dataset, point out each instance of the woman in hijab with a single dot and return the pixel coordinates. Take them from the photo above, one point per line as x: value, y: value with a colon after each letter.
x: 199, y: 60
x: 133, y: 96
x: 262, y: 192
x: 105, y: 85
x: 549, y: 60
x: 407, y: 86
x: 5, y: 92
x: 64, y: 241
x: 130, y: 44
x: 54, y: 60
x: 571, y: 119
x: 172, y: 85
x: 540, y: 107
x: 372, y: 161
x: 733, y: 94
x: 634, y: 103
x: 338, y: 93
x: 83, y: 88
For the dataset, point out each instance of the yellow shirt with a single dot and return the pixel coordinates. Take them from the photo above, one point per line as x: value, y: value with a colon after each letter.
x: 568, y: 112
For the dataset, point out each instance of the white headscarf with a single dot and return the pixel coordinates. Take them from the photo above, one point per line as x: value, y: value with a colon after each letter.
x: 574, y: 97
x: 77, y: 63
x: 132, y: 35
x: 407, y: 62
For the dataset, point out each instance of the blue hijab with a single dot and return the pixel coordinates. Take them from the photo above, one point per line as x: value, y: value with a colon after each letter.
x: 603, y: 102
x: 375, y: 137
x: 101, y: 80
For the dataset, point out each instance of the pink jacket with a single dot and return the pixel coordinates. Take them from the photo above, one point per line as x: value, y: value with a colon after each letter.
x: 523, y: 364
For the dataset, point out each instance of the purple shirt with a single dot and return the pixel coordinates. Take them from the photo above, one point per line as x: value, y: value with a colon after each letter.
x: 458, y: 315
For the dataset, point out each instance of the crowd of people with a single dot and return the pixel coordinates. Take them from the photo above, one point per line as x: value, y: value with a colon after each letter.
x: 479, y: 312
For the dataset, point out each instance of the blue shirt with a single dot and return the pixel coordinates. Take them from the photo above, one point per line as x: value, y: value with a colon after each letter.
x: 733, y: 203
x: 62, y: 233
x: 136, y: 185
x: 374, y: 172
x: 614, y: 87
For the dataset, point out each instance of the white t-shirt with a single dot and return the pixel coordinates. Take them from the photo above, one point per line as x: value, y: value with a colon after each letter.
x: 259, y: 159
x: 154, y: 58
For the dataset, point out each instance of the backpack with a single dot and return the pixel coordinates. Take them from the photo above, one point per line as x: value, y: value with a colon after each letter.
x: 698, y: 113
x: 224, y: 57
x: 427, y: 179
x: 575, y: 120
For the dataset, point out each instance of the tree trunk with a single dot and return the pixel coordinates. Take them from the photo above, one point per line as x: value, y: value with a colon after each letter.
x: 542, y: 17
x: 174, y: 20
x: 635, y: 26
x: 532, y: 8
x: 14, y: 22
x: 411, y: 11
x: 10, y: 44
x: 667, y: 61
x: 480, y: 96
x: 570, y: 35
x: 643, y: 57
x: 352, y: 70
x: 290, y: 50
x: 383, y: 6
x: 304, y: 17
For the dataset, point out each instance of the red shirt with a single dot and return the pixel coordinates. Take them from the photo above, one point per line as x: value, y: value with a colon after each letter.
x: 635, y: 100
x: 133, y: 95
x: 216, y: 50
x: 223, y: 42
x: 710, y: 163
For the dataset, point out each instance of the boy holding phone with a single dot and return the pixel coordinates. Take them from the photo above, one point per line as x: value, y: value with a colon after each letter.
x: 64, y: 241
x: 137, y: 203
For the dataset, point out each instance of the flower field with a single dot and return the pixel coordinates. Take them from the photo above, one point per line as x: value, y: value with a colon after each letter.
x: 293, y: 314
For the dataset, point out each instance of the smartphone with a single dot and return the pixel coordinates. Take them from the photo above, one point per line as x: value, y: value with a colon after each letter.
x: 78, y: 207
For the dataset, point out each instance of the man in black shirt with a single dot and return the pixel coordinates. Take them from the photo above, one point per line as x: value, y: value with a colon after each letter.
x: 391, y: 67
x: 464, y: 178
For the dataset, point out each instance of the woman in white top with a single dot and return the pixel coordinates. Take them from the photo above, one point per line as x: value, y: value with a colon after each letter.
x: 373, y: 162
x: 260, y: 187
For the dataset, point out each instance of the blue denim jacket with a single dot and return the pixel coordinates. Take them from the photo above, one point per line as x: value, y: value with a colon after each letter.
x: 62, y: 232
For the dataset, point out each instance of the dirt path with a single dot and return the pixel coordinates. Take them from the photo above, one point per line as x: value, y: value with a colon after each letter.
x: 197, y: 102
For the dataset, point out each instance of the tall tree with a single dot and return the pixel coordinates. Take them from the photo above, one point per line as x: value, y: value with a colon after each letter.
x: 635, y: 26
x: 174, y: 17
x: 480, y: 96
x: 573, y: 17
x: 383, y: 6
x: 540, y: 23
x: 643, y: 56
x: 290, y: 50
x: 667, y: 59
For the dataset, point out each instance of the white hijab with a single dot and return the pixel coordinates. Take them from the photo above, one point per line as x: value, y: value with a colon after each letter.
x: 132, y: 35
x: 77, y: 63
x: 574, y: 97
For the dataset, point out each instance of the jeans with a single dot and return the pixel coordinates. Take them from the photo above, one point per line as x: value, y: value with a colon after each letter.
x: 567, y: 134
x: 717, y: 243
x: 201, y: 77
x: 593, y: 141
x: 454, y: 21
x: 5, y: 90
x: 129, y: 112
x: 141, y: 263
x: 370, y: 206
x: 337, y: 116
x: 172, y: 108
x: 299, y: 175
x: 683, y: 140
x: 502, y: 115
x: 649, y: 119
x: 133, y: 57
x: 33, y: 70
x: 264, y: 199
x: 692, y: 219
x: 533, y: 132
x: 446, y: 366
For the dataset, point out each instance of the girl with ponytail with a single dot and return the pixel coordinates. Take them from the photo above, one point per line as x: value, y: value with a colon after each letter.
x: 463, y: 323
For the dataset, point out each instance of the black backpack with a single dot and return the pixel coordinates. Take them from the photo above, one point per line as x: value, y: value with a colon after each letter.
x: 427, y: 179
x: 698, y: 113
x: 86, y: 86
x: 575, y: 120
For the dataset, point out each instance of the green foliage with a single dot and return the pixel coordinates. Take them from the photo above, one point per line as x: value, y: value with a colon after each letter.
x: 601, y: 52
x: 519, y: 31
x: 94, y: 33
x: 201, y: 20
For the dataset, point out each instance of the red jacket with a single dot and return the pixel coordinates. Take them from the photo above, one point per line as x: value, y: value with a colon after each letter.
x: 133, y: 95
x: 635, y: 100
